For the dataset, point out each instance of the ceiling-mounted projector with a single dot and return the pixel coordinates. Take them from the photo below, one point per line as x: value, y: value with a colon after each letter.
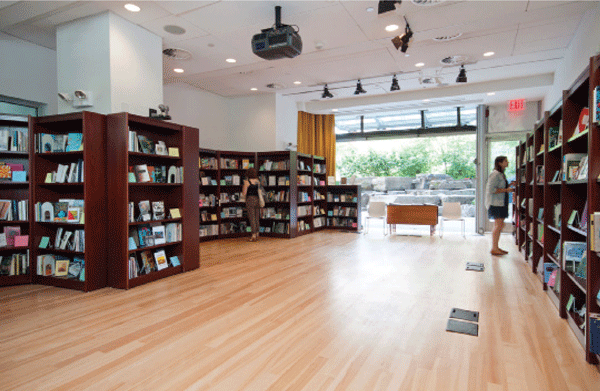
x: 277, y: 42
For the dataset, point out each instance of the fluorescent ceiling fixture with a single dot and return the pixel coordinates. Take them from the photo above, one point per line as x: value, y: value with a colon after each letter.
x: 420, y: 64
x: 297, y: 82
x: 488, y: 54
x: 132, y: 8
x: 392, y: 27
x: 253, y: 89
x: 178, y: 70
x: 491, y: 93
x: 231, y: 60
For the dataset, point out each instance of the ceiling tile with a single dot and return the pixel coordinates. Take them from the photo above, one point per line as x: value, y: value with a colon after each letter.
x: 180, y: 7
x: 27, y: 10
x: 157, y: 27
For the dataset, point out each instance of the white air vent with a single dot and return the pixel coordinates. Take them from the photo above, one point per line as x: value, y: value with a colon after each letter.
x: 177, y: 54
x: 447, y: 37
x: 428, y: 80
x: 426, y: 2
x: 454, y: 60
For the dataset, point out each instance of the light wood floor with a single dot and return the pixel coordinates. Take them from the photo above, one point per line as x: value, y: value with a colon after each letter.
x: 327, y: 311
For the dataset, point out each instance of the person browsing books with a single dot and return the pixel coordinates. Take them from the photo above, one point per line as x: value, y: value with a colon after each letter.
x: 250, y: 193
x: 496, y: 200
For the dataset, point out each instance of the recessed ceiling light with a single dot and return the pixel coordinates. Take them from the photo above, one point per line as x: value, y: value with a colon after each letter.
x: 334, y: 110
x: 178, y: 70
x: 175, y: 30
x: 426, y: 100
x: 253, y: 89
x: 231, y: 60
x: 370, y: 9
x: 132, y: 8
x: 488, y: 54
x: 297, y: 82
x: 420, y: 64
x: 491, y: 93
x: 391, y: 27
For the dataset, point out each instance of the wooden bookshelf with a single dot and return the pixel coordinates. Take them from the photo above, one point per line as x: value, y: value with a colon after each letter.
x: 209, y: 194
x: 92, y: 191
x: 175, y: 191
x: 305, y: 184
x: 344, y: 207
x: 319, y: 193
x: 537, y: 191
x: 233, y: 217
x: 278, y: 173
x: 16, y: 192
x: 572, y: 194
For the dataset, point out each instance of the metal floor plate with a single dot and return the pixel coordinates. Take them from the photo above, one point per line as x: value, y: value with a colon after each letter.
x: 456, y: 326
x: 471, y: 316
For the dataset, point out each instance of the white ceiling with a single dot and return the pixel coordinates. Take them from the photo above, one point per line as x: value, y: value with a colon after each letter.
x: 343, y: 42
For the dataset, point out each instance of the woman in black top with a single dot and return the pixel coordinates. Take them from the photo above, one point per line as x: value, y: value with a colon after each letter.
x: 250, y: 193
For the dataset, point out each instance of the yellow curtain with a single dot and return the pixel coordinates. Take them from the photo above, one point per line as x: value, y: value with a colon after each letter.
x: 316, y: 136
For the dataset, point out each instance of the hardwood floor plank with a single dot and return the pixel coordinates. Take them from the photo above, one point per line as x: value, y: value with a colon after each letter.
x: 328, y: 311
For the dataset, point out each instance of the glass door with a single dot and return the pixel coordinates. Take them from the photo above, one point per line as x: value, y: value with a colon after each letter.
x: 504, y: 147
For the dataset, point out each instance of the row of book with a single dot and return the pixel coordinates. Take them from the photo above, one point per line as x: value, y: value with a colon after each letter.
x: 304, y: 197
x: 65, y: 240
x: 234, y: 164
x: 575, y: 166
x: 13, y: 139
x: 229, y: 197
x: 154, y: 234
x: 12, y: 237
x: 318, y: 211
x: 208, y: 163
x: 14, y: 210
x: 53, y: 265
x: 150, y: 261
x: 274, y: 213
x: 230, y: 212
x: 269, y: 165
x: 344, y: 211
x: 14, y: 172
x: 320, y: 169
x: 319, y: 222
x: 273, y: 180
x: 303, y: 226
x: 143, y: 173
x: 140, y: 143
x: 207, y: 200
x: 276, y: 227
x: 233, y: 228
x: 304, y: 180
x: 277, y: 196
x: 151, y: 210
x: 341, y: 222
x: 304, y: 210
x: 350, y: 197
x: 205, y: 216
x: 67, y: 173
x: 209, y: 230
x: 53, y: 143
x: 14, y: 264
x: 65, y: 210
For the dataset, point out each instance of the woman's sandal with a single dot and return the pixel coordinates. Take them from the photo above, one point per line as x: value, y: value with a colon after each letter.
x: 497, y: 253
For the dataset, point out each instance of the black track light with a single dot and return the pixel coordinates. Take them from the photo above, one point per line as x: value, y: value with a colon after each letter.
x: 326, y: 93
x: 462, y: 75
x: 401, y: 41
x: 395, y: 86
x: 386, y: 6
x: 359, y: 89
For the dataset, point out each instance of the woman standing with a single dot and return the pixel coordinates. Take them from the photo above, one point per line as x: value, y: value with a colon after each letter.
x: 496, y: 200
x: 250, y: 193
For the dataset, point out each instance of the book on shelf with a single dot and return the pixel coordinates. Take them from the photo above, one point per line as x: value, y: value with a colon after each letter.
x: 573, y: 254
x: 596, y: 105
x: 573, y: 218
x: 594, y: 329
x: 61, y: 268
x: 583, y: 123
x: 594, y: 231
x: 158, y: 210
x: 571, y: 165
x: 540, y: 174
x: 14, y: 264
x: 174, y: 261
x: 13, y: 139
x: 549, y: 268
x: 541, y: 213
x: 583, y: 223
x: 54, y: 143
x: 160, y: 259
x: 552, y: 137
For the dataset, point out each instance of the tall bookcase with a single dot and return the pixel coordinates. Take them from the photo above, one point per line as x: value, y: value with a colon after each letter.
x: 305, y: 183
x: 572, y: 286
x: 176, y: 192
x: 92, y: 191
x: 343, y: 207
x: 14, y: 190
x: 319, y: 193
x: 209, y: 194
x: 233, y: 218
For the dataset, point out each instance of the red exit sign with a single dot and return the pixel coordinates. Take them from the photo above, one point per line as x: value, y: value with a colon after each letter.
x: 516, y: 105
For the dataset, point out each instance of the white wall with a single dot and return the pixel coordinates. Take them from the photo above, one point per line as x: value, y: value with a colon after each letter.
x: 584, y: 45
x: 136, y: 67
x: 253, y: 123
x: 28, y: 72
x: 501, y: 120
x: 118, y: 62
x: 200, y: 109
x: 83, y: 61
x: 286, y: 122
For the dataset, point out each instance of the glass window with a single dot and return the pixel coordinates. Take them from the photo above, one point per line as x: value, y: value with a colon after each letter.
x: 441, y: 118
x: 11, y: 108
